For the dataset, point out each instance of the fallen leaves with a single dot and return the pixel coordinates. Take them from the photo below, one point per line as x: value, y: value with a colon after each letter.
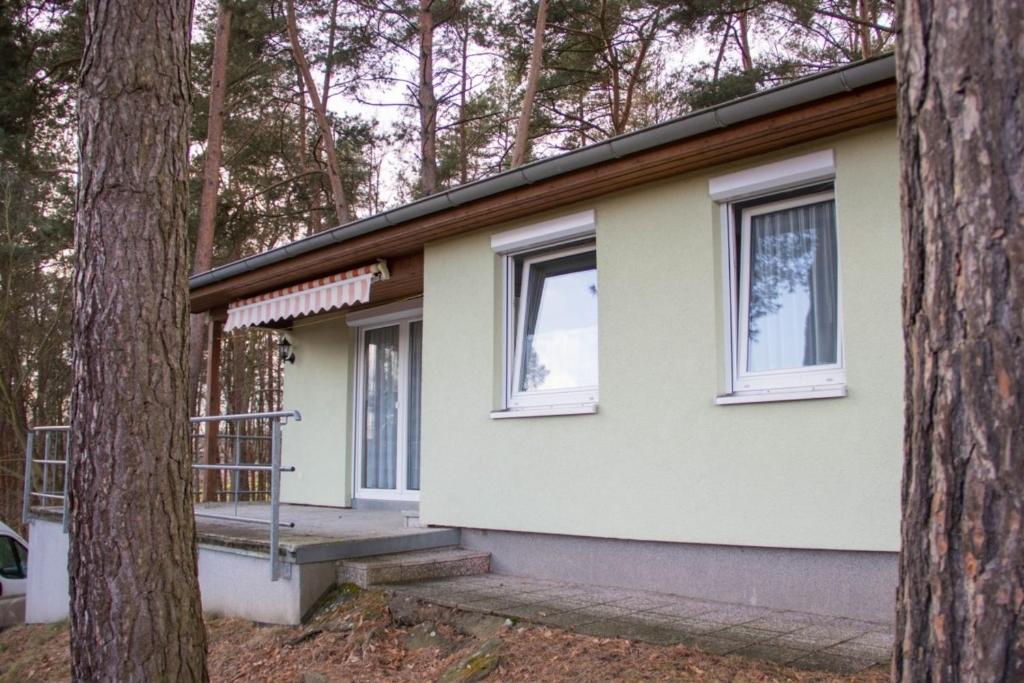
x: 353, y: 637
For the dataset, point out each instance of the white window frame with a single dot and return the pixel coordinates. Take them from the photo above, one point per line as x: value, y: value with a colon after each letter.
x: 576, y: 233
x: 402, y: 317
x: 751, y: 185
x: 542, y: 397
x: 828, y: 375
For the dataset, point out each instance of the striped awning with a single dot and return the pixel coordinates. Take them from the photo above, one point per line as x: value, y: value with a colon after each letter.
x: 308, y: 298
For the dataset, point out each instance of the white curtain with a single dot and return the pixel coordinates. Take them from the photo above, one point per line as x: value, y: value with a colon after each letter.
x: 380, y: 425
x: 793, y: 301
x: 412, y: 475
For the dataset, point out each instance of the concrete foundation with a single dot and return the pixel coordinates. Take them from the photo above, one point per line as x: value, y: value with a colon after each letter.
x: 46, y: 594
x: 857, y: 585
x: 234, y: 570
x: 232, y: 583
x: 239, y: 585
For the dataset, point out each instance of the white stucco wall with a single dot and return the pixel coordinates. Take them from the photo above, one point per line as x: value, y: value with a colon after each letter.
x: 660, y: 461
x: 318, y: 385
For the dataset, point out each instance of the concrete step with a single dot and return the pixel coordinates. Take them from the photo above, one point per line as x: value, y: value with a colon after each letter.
x: 417, y: 565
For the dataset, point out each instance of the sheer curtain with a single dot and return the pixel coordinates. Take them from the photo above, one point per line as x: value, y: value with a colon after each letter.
x: 793, y: 288
x: 412, y: 475
x: 380, y: 426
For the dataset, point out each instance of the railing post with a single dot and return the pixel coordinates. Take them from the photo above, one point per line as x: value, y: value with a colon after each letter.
x: 211, y: 478
x: 238, y: 461
x: 67, y: 476
x: 275, y: 493
x: 26, y: 492
x: 46, y: 462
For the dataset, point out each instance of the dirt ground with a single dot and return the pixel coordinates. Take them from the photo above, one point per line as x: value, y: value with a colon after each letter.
x: 358, y: 636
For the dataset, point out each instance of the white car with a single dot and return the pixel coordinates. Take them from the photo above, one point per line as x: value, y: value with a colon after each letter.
x: 13, y: 576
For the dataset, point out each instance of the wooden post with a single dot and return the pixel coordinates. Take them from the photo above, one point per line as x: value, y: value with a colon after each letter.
x: 211, y: 478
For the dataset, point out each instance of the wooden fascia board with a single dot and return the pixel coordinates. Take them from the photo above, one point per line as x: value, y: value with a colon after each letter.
x: 768, y: 133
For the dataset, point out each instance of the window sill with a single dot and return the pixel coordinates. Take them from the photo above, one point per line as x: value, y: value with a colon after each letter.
x: 545, y: 411
x: 772, y: 396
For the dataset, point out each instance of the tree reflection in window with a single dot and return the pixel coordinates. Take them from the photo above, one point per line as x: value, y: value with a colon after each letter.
x: 792, y: 316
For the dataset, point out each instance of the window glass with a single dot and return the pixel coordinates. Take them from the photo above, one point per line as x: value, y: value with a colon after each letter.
x: 792, y: 314
x: 22, y: 553
x: 380, y: 425
x: 412, y: 477
x: 559, y: 339
x: 9, y: 561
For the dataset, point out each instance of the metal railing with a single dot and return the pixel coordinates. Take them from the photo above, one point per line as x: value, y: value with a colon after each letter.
x: 52, y: 481
x: 277, y: 419
x: 48, y: 461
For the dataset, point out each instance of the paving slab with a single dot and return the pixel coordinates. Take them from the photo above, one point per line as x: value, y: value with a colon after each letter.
x: 808, y: 641
x: 771, y: 652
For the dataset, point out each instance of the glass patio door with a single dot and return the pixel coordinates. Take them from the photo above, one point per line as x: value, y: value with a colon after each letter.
x: 388, y: 444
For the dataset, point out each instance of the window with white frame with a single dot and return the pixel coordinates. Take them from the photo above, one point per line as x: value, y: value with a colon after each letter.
x: 783, y: 286
x: 551, y: 333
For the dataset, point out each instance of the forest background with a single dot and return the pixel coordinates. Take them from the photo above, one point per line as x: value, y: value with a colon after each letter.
x: 333, y: 110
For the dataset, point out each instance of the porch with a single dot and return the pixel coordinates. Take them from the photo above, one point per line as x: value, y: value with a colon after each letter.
x: 313, y: 544
x: 310, y: 534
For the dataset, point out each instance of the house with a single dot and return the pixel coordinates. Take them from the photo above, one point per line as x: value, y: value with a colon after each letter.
x: 671, y: 360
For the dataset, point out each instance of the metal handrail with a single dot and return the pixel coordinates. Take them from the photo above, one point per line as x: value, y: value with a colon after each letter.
x: 277, y: 419
x: 277, y: 414
x: 236, y: 468
x: 46, y: 461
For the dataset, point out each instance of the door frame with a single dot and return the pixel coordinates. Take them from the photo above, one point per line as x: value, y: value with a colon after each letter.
x: 384, y: 316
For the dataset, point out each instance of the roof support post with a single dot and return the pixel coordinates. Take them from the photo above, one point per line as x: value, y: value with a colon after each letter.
x: 211, y: 477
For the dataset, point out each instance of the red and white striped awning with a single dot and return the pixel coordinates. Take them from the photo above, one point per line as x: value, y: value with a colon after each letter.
x: 308, y: 298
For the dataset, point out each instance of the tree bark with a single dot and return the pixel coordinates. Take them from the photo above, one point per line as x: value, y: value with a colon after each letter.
x: 341, y: 208
x: 960, y: 611
x: 743, y: 41
x: 203, y: 259
x: 313, y: 181
x: 863, y: 30
x: 427, y: 101
x: 135, y: 611
x: 532, y: 78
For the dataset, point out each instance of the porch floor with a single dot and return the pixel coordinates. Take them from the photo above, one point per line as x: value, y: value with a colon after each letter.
x: 320, y: 534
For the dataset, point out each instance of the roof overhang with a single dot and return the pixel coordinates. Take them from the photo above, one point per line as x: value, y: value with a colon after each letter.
x: 825, y: 104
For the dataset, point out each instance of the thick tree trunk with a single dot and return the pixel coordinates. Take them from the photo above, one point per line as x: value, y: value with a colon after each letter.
x: 960, y: 614
x: 532, y: 78
x: 203, y: 259
x: 341, y: 208
x: 427, y: 101
x: 135, y: 612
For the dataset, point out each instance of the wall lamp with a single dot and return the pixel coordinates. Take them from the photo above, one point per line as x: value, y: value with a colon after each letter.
x: 285, y: 351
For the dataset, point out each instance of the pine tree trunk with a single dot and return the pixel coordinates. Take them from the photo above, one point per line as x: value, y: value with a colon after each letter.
x: 427, y: 101
x: 532, y: 78
x: 743, y: 38
x: 960, y: 612
x: 463, y: 101
x: 203, y: 258
x: 341, y: 207
x: 135, y: 611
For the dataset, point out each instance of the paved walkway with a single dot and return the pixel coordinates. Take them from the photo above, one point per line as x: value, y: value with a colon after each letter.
x: 802, y: 640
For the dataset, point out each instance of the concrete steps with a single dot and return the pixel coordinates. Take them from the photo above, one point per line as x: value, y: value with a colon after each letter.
x: 417, y: 565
